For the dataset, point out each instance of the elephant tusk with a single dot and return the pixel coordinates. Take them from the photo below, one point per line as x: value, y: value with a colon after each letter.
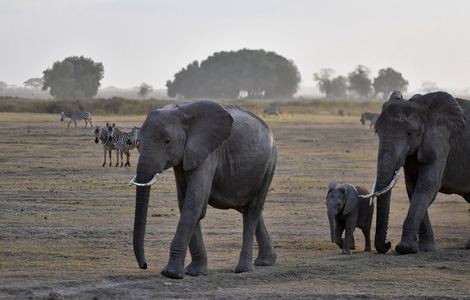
x: 152, y: 181
x: 375, y: 194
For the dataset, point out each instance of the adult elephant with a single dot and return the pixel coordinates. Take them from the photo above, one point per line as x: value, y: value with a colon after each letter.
x: 429, y: 136
x: 222, y: 157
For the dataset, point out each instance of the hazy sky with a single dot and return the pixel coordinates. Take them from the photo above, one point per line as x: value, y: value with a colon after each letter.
x: 149, y: 41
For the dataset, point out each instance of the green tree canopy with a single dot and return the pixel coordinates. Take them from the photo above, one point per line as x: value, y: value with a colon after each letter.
x: 73, y: 78
x: 254, y: 73
x: 332, y: 87
x: 388, y: 81
x: 359, y: 81
x: 34, y: 83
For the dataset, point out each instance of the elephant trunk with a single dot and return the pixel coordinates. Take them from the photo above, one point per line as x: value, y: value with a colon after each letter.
x: 331, y: 219
x: 385, y: 173
x: 141, y: 208
x: 144, y: 174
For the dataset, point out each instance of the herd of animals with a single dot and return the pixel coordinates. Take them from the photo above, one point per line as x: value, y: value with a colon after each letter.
x: 226, y: 157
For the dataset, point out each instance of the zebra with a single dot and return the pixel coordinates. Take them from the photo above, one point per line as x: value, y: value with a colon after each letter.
x: 124, y: 142
x: 101, y: 134
x: 271, y: 111
x: 368, y: 116
x: 74, y: 116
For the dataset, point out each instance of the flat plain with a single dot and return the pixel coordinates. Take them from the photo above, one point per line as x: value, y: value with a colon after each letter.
x: 66, y: 222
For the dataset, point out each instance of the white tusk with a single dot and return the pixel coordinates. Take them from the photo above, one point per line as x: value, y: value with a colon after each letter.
x: 384, y: 190
x: 152, y: 181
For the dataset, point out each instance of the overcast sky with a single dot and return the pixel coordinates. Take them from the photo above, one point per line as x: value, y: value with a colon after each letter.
x: 149, y: 41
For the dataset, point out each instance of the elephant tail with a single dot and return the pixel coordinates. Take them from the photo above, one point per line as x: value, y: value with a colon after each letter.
x: 268, y: 177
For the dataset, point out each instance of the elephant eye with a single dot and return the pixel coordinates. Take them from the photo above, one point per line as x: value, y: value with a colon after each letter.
x: 409, y: 133
x: 167, y: 141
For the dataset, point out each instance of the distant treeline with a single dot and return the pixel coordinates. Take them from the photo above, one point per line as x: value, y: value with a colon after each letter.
x: 121, y: 106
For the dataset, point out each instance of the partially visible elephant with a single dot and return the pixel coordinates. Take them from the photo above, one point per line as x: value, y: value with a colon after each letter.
x: 429, y: 136
x: 346, y: 210
x: 224, y: 157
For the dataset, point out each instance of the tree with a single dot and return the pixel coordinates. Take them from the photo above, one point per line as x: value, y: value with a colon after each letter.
x: 388, y: 81
x: 359, y: 81
x: 333, y: 87
x: 34, y: 84
x: 255, y: 73
x: 73, y: 78
x: 144, y: 90
x: 3, y: 85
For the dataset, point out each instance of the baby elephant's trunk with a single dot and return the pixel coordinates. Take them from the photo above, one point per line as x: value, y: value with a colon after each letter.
x: 331, y: 219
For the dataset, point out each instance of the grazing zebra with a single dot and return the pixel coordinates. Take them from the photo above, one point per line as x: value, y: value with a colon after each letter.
x: 124, y: 142
x: 74, y: 116
x: 271, y: 111
x: 101, y: 134
x: 368, y: 116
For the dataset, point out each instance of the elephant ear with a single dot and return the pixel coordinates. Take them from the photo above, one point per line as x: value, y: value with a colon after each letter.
x: 332, y: 185
x: 441, y: 111
x: 209, y: 125
x: 351, y: 199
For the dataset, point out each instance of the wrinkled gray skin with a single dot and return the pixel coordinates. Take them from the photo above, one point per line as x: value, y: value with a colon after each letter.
x: 222, y: 157
x: 429, y: 136
x: 346, y: 211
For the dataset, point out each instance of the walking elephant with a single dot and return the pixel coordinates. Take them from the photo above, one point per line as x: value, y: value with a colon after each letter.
x: 224, y: 157
x: 429, y: 136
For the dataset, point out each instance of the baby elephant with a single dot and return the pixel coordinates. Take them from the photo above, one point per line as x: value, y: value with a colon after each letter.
x: 346, y: 211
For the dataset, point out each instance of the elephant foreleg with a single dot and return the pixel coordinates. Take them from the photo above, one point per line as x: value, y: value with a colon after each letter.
x: 339, y: 228
x: 425, y: 191
x: 425, y: 232
x: 349, y: 242
x: 266, y: 254
x: 250, y: 221
x: 196, y: 196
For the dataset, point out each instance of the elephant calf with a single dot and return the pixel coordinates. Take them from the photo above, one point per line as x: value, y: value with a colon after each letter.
x: 346, y: 211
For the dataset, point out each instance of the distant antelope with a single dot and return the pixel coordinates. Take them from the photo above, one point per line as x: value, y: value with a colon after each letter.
x: 368, y: 116
x: 74, y: 116
x: 124, y: 142
x: 101, y: 134
x: 271, y: 111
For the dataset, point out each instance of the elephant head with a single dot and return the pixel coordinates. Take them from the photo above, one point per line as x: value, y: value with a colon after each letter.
x: 340, y: 199
x: 174, y: 135
x: 407, y: 128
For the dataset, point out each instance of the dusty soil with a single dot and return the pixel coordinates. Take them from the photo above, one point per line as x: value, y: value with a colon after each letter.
x: 66, y: 222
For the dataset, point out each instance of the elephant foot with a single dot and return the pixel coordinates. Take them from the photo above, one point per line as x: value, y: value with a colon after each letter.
x: 426, y: 247
x: 104, y: 164
x: 241, y: 268
x: 266, y: 260
x: 367, y: 249
x: 196, y: 269
x: 339, y: 243
x: 407, y: 247
x: 468, y: 245
x: 173, y: 273
x: 346, y: 252
x: 117, y: 165
x: 110, y: 164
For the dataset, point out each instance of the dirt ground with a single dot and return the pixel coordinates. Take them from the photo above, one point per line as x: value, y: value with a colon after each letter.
x: 66, y: 222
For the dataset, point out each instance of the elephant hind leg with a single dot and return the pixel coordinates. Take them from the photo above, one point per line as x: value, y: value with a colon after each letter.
x: 266, y: 254
x: 250, y: 221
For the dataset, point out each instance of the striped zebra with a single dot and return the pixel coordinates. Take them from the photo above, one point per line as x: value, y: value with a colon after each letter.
x: 368, y: 116
x: 101, y: 134
x: 74, y: 116
x: 124, y: 142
